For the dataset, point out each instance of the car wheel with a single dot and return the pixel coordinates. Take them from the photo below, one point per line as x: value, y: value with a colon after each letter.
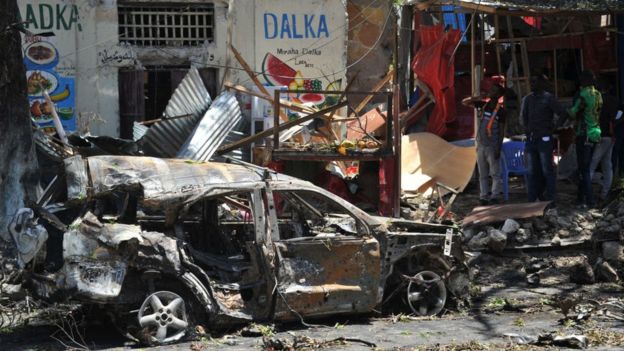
x: 426, y: 293
x: 163, y: 318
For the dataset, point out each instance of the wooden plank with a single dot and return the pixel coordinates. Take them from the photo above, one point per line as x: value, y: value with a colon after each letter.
x: 344, y: 93
x: 478, y: 7
x: 253, y: 77
x: 411, y: 115
x: 288, y: 104
x: 376, y: 88
x: 525, y: 61
x: 514, y: 60
x: 249, y: 71
x: 282, y: 126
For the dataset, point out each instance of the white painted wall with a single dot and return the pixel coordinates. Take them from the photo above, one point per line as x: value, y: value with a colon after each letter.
x: 308, y: 36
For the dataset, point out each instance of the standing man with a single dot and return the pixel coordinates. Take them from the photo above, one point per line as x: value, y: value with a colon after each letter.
x: 537, y: 116
x: 490, y: 133
x: 603, y: 151
x: 586, y: 111
x: 617, y: 159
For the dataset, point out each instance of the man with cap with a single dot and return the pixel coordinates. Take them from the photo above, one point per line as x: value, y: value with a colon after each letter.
x: 537, y: 114
x: 490, y: 133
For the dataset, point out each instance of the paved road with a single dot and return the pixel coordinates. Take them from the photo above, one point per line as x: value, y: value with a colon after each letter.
x: 386, y: 334
x: 409, y: 334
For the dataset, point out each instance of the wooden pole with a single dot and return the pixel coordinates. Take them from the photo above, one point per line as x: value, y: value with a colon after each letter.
x: 514, y: 75
x: 555, y: 72
x: 377, y: 87
x: 473, y: 78
x: 482, y: 32
x: 253, y: 77
x: 496, y: 46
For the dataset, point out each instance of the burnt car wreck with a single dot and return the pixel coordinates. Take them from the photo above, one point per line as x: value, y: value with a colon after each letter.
x: 161, y: 244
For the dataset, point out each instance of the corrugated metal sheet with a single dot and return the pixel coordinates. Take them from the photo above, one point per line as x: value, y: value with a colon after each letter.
x: 537, y: 6
x: 243, y: 153
x: 222, y: 117
x: 138, y: 131
x: 190, y: 97
x: 164, y: 139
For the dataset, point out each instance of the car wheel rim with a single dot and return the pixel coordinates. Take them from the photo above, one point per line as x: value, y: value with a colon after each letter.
x: 426, y: 294
x: 163, y: 316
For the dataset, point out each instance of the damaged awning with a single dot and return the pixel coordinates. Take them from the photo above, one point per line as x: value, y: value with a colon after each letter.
x: 527, y: 7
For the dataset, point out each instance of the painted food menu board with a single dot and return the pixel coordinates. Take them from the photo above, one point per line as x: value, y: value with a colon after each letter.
x: 50, y: 61
x: 302, y: 47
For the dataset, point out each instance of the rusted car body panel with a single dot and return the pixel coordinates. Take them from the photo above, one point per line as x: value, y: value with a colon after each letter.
x: 319, y: 277
x: 250, y: 244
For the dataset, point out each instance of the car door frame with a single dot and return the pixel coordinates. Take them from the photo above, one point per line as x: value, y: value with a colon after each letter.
x: 286, y: 310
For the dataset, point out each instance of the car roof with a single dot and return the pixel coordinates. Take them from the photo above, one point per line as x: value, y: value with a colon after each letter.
x: 160, y: 175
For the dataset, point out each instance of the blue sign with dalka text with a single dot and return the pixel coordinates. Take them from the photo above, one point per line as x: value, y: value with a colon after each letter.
x: 294, y: 26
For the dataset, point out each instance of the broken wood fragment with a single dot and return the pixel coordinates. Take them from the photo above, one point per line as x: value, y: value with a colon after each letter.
x: 377, y: 87
x: 253, y: 77
x: 289, y: 104
x: 282, y: 126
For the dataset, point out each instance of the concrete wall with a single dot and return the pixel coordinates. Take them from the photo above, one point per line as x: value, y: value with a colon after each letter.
x: 307, y: 39
x: 372, y: 25
x: 90, y: 55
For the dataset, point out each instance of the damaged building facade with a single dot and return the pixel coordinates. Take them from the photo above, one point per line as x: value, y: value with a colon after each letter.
x: 111, y: 63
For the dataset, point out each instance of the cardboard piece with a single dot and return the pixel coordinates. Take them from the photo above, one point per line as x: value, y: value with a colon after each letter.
x: 425, y: 156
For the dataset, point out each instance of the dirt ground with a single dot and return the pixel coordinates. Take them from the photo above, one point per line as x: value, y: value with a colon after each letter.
x: 502, y: 302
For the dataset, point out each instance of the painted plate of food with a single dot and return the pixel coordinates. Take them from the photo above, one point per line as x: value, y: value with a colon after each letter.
x: 41, y: 53
x: 38, y: 81
x: 41, y: 111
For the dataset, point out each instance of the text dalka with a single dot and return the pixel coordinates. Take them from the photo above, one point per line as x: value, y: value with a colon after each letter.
x: 292, y: 26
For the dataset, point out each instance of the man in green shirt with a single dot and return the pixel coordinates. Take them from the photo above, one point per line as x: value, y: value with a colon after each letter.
x: 586, y: 111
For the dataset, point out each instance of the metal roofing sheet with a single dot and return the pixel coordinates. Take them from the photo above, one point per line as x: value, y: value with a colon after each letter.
x: 164, y: 139
x: 539, y: 5
x: 243, y: 153
x: 223, y: 115
x: 190, y: 97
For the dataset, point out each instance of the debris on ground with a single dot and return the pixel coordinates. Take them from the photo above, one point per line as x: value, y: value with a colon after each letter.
x: 300, y: 342
x: 571, y: 341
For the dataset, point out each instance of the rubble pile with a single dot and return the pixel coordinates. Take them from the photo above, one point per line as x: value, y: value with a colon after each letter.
x: 599, y: 229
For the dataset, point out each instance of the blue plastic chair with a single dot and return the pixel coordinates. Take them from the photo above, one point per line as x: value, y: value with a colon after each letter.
x: 513, y: 163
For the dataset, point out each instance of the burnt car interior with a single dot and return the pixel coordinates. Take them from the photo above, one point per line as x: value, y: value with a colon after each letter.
x: 304, y: 214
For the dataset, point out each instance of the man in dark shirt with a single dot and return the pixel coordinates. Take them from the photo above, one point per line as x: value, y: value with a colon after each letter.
x: 603, y: 150
x: 537, y: 116
x: 490, y: 133
x: 617, y: 159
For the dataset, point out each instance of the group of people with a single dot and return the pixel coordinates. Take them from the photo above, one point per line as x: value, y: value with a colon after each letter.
x: 599, y: 131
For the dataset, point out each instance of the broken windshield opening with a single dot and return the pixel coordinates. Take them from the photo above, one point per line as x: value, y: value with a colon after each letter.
x: 303, y: 213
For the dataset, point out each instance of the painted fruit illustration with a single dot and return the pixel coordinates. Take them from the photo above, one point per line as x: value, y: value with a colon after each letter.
x: 313, y: 98
x: 65, y: 113
x: 276, y: 72
x: 62, y: 95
